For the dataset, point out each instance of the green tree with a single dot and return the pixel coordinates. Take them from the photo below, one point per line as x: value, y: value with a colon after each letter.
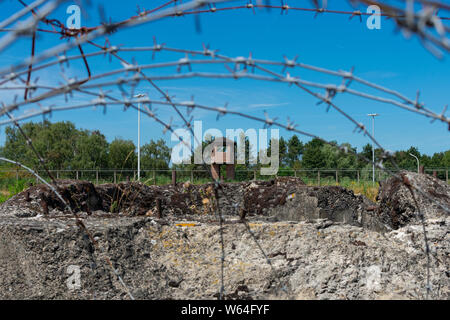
x: 366, y: 153
x: 312, y: 155
x: 122, y: 154
x: 55, y: 142
x: 249, y: 154
x: 404, y: 159
x: 91, y: 151
x: 437, y: 160
x: 446, y: 159
x: 335, y: 158
x: 155, y: 155
x: 282, y: 151
x: 295, y: 151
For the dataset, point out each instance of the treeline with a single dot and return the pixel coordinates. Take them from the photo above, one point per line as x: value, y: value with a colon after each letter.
x: 64, y: 147
x: 317, y: 154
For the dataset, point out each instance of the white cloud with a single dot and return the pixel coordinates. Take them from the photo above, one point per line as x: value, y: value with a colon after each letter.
x: 267, y: 105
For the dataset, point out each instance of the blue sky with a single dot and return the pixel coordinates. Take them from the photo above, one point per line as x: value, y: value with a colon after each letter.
x: 331, y: 41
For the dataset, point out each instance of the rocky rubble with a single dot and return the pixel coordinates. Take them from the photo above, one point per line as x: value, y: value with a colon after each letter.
x: 397, y: 207
x: 323, y: 242
x: 180, y: 260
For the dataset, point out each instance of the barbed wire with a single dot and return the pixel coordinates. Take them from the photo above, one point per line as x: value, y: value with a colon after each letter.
x: 416, y: 23
x: 331, y: 89
x: 406, y: 19
x: 222, y: 111
x: 78, y: 221
x: 423, y: 23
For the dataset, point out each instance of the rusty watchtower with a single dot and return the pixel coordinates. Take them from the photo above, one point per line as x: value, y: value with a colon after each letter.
x: 223, y: 154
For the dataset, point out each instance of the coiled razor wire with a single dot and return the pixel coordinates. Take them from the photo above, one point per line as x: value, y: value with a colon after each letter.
x: 427, y: 22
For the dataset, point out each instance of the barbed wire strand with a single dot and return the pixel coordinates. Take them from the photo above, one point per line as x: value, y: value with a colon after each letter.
x: 86, y: 35
x: 107, y: 28
x: 78, y: 220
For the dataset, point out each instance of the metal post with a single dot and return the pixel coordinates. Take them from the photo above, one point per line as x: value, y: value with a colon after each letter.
x: 418, y: 164
x: 373, y: 115
x: 174, y: 178
x: 295, y: 173
x: 373, y: 151
x: 139, y: 141
x: 96, y: 176
x: 77, y: 174
x: 115, y: 178
x: 139, y: 134
x: 158, y: 208
x: 318, y: 177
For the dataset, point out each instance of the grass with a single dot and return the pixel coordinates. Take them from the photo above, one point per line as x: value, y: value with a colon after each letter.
x: 9, y: 190
x: 10, y: 184
x: 4, y: 197
x: 365, y: 188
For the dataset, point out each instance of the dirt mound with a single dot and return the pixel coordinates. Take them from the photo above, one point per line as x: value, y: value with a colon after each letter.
x: 40, y: 199
x: 280, y: 199
x: 260, y: 196
x: 396, y: 204
x: 134, y: 199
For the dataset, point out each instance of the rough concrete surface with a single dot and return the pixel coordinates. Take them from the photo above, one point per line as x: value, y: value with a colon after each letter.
x: 323, y: 243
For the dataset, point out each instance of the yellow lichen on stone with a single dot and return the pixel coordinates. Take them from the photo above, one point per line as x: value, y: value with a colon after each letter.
x: 185, y: 224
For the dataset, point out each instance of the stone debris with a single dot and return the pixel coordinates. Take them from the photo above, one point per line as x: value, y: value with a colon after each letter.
x: 396, y: 204
x: 323, y: 242
x: 182, y: 260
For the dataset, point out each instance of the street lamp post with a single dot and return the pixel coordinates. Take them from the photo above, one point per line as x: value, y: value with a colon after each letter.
x: 418, y: 163
x: 139, y: 136
x: 373, y: 115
